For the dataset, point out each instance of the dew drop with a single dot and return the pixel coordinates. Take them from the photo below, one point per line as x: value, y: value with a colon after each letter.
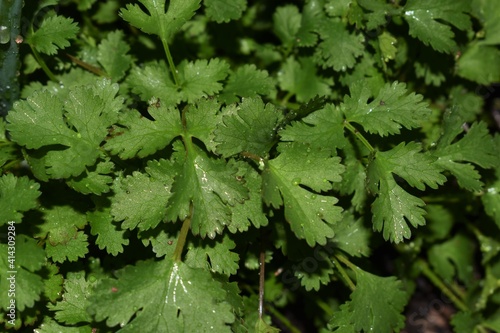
x: 296, y: 181
x: 4, y: 34
x: 313, y: 196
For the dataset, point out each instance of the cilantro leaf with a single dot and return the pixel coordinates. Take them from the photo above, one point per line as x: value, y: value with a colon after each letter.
x: 54, y: 33
x: 378, y: 12
x: 294, y: 179
x: 201, y: 120
x: 72, y: 309
x: 17, y: 195
x: 138, y: 136
x: 250, y: 128
x: 215, y: 255
x: 251, y: 211
x: 477, y: 63
x: 247, y: 81
x: 338, y: 48
x: 391, y: 109
x: 50, y: 326
x: 210, y: 186
x: 393, y: 205
x: 287, y: 21
x: 322, y: 128
x: 201, y: 78
x: 109, y: 236
x: 300, y: 78
x: 140, y: 200
x: 376, y: 303
x: 423, y: 15
x: 29, y: 258
x: 78, y: 126
x: 352, y: 236
x: 61, y: 224
x: 96, y: 179
x: 153, y: 79
x: 74, y: 249
x: 417, y: 168
x: 224, y: 10
x: 158, y: 22
x: 171, y: 302
x: 488, y: 13
x: 476, y: 146
x: 450, y: 262
x: 112, y: 55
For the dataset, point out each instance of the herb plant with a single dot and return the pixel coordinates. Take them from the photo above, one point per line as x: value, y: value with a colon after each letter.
x: 224, y: 166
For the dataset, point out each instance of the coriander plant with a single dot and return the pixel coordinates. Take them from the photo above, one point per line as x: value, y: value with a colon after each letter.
x: 248, y: 166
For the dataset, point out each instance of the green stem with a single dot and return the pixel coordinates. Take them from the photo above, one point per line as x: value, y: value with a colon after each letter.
x: 358, y: 135
x: 284, y: 320
x: 424, y: 267
x: 170, y: 62
x: 342, y: 271
x: 262, y: 273
x: 10, y: 21
x: 181, y: 240
x: 44, y: 66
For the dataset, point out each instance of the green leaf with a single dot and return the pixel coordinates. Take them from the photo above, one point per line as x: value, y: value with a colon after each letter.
x: 96, y: 179
x: 392, y: 108
x: 70, y: 133
x: 112, y: 55
x: 466, y: 322
x: 247, y: 81
x: 19, y: 267
x: 224, y: 10
x: 51, y: 326
x: 214, y: 255
x: 379, y: 11
x: 109, y: 236
x: 394, y: 208
x: 139, y: 136
x: 478, y: 63
x: 140, y: 201
x: 352, y: 236
x: 250, y: 128
x: 295, y: 179
x: 171, y: 302
x: 201, y: 120
x: 17, y: 195
x: 339, y: 48
x: 322, y: 128
x: 376, y: 304
x: 156, y: 20
x: 386, y: 43
x: 425, y: 19
x: 300, y: 78
x: 72, y: 250
x: 262, y: 327
x: 210, y: 186
x: 251, y: 211
x: 417, y: 168
x: 54, y: 33
x: 61, y: 224
x: 450, y: 261
x: 476, y: 146
x: 488, y: 13
x: 287, y: 21
x: 152, y: 79
x: 72, y: 309
x: 201, y: 78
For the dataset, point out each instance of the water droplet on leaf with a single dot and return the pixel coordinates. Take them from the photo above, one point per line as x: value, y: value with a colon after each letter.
x: 296, y: 181
x: 4, y: 34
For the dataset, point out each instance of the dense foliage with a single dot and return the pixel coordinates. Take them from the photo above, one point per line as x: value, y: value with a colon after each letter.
x: 233, y: 166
